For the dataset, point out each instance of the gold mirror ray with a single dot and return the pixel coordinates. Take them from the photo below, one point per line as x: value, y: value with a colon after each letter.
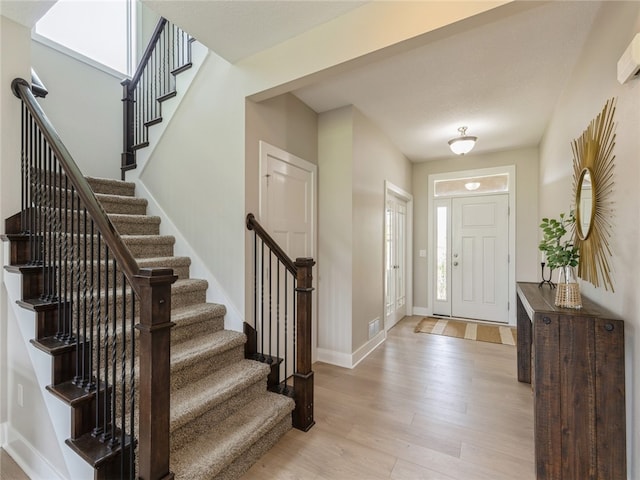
x: 593, y: 155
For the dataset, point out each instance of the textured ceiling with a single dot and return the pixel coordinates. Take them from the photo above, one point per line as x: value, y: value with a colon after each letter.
x: 501, y: 79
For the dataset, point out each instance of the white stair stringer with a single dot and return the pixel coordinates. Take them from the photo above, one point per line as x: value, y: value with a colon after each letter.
x: 28, y: 456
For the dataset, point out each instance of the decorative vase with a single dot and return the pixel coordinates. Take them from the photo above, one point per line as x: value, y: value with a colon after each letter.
x: 568, y: 289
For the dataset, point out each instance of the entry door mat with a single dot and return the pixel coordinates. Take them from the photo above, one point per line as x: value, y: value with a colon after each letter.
x: 467, y: 330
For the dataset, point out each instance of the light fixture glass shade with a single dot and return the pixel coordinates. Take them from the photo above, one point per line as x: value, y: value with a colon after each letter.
x: 472, y: 185
x: 462, y: 144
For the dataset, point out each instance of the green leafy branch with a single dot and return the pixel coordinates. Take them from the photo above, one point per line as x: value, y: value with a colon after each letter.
x: 560, y: 251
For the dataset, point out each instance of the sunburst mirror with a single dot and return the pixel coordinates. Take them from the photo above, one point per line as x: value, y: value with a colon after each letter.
x: 593, y: 183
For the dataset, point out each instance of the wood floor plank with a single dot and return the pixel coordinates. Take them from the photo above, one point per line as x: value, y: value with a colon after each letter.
x: 9, y: 469
x: 419, y: 407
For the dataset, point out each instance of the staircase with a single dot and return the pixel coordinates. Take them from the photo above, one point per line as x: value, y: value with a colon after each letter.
x: 155, y: 385
x: 222, y: 417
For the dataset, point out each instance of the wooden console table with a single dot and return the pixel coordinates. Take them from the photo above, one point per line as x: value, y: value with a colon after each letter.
x: 575, y: 362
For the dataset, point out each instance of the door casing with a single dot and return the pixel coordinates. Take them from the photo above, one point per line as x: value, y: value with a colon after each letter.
x: 511, y: 170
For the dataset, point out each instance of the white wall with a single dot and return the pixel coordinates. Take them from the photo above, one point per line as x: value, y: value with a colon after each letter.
x: 527, y: 218
x: 84, y: 105
x: 592, y: 83
x: 14, y: 62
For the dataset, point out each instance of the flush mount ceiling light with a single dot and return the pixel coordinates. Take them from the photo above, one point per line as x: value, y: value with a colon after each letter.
x: 471, y: 186
x: 462, y: 144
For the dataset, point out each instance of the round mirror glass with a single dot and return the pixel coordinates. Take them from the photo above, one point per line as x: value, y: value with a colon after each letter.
x: 585, y: 203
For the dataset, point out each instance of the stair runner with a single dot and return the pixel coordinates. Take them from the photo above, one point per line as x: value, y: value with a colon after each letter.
x: 223, y: 419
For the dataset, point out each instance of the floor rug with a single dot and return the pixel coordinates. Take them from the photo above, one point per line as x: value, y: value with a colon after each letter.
x: 467, y: 330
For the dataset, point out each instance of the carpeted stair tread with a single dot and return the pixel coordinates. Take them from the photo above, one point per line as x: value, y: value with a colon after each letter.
x: 180, y: 265
x: 195, y: 320
x: 145, y: 246
x: 188, y: 291
x: 205, y: 346
x: 122, y: 204
x: 227, y: 441
x: 135, y: 224
x: 196, y: 313
x: 197, y: 398
x: 111, y: 187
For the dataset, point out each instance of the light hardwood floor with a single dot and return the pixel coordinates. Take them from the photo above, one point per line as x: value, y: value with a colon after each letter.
x: 419, y: 407
x: 9, y: 470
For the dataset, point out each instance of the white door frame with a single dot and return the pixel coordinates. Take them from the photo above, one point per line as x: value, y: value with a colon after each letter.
x: 511, y: 170
x: 267, y: 150
x: 393, y: 190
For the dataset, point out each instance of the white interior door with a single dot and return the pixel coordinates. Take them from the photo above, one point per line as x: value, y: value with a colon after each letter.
x: 395, y: 261
x: 479, y: 257
x: 287, y: 212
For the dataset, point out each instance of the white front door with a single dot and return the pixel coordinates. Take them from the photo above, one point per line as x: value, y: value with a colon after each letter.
x: 395, y: 261
x: 480, y: 258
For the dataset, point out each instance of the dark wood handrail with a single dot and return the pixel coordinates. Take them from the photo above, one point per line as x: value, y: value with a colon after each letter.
x: 111, y: 237
x: 253, y: 224
x: 131, y: 84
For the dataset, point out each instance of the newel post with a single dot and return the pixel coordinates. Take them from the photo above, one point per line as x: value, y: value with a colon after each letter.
x: 303, y: 377
x: 155, y: 376
x: 128, y: 159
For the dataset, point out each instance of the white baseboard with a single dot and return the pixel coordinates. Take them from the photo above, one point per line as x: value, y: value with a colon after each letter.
x: 28, y: 458
x: 3, y: 433
x: 332, y: 357
x: 425, y: 312
x: 350, y: 360
x: 367, y: 348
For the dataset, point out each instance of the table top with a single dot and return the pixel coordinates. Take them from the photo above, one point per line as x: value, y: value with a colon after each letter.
x: 542, y: 300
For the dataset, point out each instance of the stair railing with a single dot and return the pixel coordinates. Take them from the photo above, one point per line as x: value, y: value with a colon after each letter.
x: 111, y: 316
x: 281, y: 332
x: 167, y: 54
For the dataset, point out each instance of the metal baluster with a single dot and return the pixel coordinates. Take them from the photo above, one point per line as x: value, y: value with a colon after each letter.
x: 65, y: 334
x: 278, y: 263
x: 86, y: 340
x: 100, y: 390
x: 33, y: 221
x: 132, y: 388
x: 270, y: 306
x: 255, y: 279
x: 262, y: 304
x: 75, y: 222
x: 286, y: 336
x: 113, y: 438
x: 23, y: 170
x: 92, y: 310
x: 123, y: 366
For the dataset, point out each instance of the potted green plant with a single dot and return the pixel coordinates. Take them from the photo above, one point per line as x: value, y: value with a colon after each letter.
x: 561, y: 253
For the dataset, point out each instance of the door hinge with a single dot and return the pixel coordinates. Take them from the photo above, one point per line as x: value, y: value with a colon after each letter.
x: 508, y: 306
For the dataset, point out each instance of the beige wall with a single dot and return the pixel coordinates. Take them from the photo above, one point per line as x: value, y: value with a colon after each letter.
x: 284, y: 122
x: 335, y: 231
x: 375, y: 159
x: 355, y: 158
x: 526, y: 163
x: 592, y: 83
